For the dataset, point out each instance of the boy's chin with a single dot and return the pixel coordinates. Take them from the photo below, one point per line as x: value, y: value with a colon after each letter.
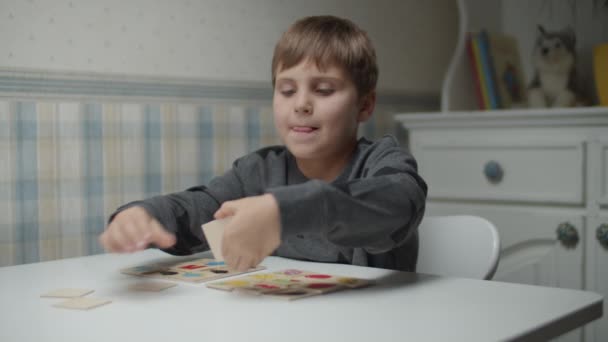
x: 303, y: 151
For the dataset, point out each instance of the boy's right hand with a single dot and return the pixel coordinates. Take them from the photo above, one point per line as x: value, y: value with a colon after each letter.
x: 133, y: 230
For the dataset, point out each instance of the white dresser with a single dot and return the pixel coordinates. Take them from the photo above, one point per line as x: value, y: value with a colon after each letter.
x: 541, y: 176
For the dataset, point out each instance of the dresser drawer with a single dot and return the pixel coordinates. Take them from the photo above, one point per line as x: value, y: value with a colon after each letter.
x: 542, y: 172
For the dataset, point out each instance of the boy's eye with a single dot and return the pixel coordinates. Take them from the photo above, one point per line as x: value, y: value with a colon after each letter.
x: 287, y: 92
x: 325, y: 91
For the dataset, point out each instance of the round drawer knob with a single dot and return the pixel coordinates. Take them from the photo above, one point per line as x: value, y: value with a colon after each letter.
x: 567, y: 235
x: 602, y: 234
x: 493, y: 171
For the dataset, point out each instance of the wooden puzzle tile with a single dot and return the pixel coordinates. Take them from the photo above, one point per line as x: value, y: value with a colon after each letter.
x: 67, y: 293
x: 82, y: 303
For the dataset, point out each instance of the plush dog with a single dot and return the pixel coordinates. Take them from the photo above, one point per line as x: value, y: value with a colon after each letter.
x: 554, y: 60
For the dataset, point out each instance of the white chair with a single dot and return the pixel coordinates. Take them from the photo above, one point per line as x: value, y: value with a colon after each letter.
x: 461, y: 246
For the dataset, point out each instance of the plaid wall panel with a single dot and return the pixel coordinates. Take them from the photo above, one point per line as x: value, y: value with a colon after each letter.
x: 65, y: 166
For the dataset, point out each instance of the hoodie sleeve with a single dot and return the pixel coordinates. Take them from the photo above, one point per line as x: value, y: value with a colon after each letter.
x: 377, y: 209
x: 183, y: 213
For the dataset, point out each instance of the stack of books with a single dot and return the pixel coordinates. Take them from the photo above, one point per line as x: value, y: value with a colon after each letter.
x: 496, y: 70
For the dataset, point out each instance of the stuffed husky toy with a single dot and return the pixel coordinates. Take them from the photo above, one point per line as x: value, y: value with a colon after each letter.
x: 554, y: 62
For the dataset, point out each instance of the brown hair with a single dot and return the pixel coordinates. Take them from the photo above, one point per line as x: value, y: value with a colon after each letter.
x: 327, y: 41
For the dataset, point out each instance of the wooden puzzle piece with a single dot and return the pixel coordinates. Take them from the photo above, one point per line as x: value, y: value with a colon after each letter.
x: 153, y: 286
x: 67, y: 293
x: 214, y: 230
x: 82, y: 303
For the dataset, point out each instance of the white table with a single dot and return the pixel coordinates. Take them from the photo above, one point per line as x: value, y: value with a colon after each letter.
x: 401, y: 306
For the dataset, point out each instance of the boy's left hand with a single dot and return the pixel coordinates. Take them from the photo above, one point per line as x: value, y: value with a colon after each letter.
x: 253, y: 233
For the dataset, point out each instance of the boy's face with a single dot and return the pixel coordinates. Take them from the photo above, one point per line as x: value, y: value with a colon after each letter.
x: 316, y: 112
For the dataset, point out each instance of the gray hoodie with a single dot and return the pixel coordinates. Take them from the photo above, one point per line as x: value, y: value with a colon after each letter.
x: 367, y: 216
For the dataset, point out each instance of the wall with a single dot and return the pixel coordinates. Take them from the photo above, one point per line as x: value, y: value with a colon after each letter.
x: 228, y: 40
x: 104, y: 102
x: 588, y: 18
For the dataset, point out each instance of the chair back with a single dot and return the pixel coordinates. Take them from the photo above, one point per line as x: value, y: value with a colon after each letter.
x: 461, y: 246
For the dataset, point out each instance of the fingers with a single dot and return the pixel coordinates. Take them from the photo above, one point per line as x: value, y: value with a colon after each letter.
x: 159, y: 236
x: 240, y: 263
x: 115, y: 240
x: 244, y: 265
x: 252, y: 234
x: 131, y: 235
x: 237, y: 261
x: 227, y: 209
x: 234, y: 260
x: 110, y: 240
x: 133, y: 230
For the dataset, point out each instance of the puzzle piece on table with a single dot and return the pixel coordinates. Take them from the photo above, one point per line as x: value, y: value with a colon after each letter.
x: 192, y: 271
x: 82, y: 303
x: 214, y: 230
x: 249, y: 285
x: 316, y: 277
x: 153, y: 286
x: 66, y: 293
x: 290, y: 284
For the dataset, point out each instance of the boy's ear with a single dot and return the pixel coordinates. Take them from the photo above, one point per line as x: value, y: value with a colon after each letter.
x: 366, y: 106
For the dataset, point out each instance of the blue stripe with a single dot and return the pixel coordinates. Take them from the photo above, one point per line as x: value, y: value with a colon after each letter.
x: 93, y: 176
x: 153, y: 151
x: 253, y: 128
x: 206, y: 144
x: 33, y: 83
x: 26, y: 186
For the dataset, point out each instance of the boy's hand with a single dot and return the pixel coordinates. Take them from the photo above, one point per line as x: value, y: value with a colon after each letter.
x: 133, y: 230
x: 253, y: 233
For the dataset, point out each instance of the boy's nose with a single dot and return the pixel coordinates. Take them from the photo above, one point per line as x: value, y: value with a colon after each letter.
x: 303, y: 109
x: 302, y: 104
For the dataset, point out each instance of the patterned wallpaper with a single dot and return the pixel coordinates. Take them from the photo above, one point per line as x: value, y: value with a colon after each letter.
x: 588, y: 19
x: 216, y: 39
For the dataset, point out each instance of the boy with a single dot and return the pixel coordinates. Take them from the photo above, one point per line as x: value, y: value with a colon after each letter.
x: 324, y: 196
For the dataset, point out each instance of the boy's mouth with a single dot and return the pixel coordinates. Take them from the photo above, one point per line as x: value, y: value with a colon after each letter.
x: 303, y: 129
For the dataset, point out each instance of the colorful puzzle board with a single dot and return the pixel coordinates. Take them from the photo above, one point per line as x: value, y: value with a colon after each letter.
x: 192, y: 271
x: 290, y: 284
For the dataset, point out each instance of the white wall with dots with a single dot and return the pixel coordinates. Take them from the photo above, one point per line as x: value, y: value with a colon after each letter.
x: 587, y: 18
x: 216, y: 39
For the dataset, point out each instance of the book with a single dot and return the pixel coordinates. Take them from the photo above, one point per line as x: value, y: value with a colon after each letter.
x: 473, y: 63
x: 507, y: 70
x: 480, y: 72
x: 600, y: 68
x: 489, y: 70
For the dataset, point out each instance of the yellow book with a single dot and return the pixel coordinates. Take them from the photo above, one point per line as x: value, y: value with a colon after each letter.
x: 508, y: 70
x: 600, y: 66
